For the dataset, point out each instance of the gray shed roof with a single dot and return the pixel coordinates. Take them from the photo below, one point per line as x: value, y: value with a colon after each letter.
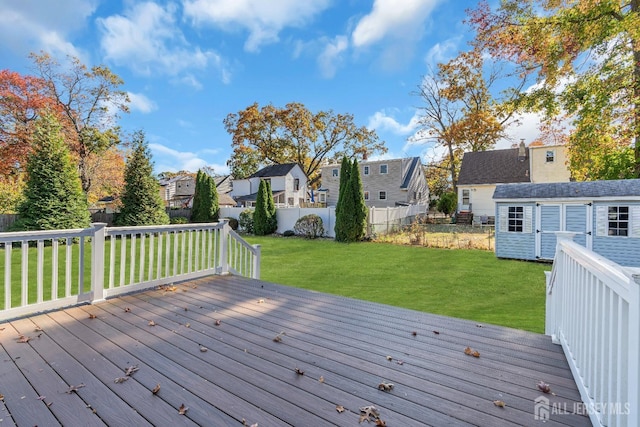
x: 568, y: 190
x: 494, y: 167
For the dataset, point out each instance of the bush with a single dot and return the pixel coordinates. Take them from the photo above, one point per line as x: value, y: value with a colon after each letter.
x: 233, y: 223
x: 179, y: 220
x: 309, y: 226
x: 447, y: 203
x: 245, y: 221
x: 289, y: 233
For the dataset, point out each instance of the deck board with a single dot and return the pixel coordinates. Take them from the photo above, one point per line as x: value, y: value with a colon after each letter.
x: 244, y: 374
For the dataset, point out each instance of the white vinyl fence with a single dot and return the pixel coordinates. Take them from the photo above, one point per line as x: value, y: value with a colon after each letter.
x: 380, y: 220
x: 593, y: 311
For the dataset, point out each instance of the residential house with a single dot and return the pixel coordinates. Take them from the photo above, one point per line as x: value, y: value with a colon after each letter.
x: 288, y: 184
x: 603, y: 215
x: 481, y: 171
x: 386, y: 183
x: 224, y: 185
x: 177, y: 191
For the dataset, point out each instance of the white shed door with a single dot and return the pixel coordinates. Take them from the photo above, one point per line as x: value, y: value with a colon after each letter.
x: 549, y: 220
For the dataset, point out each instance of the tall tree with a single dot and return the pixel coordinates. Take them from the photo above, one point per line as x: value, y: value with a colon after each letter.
x: 89, y: 100
x: 342, y: 218
x: 271, y: 209
x: 585, y: 55
x: 460, y: 112
x: 141, y: 203
x: 11, y: 192
x: 263, y: 215
x: 293, y: 134
x: 205, y: 199
x: 359, y: 228
x: 107, y: 174
x: 53, y: 197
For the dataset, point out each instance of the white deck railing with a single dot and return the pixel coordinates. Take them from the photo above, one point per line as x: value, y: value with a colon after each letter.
x: 593, y: 311
x: 45, y: 270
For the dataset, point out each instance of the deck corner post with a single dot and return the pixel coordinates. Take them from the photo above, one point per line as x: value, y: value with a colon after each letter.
x: 256, y: 262
x: 97, y: 261
x: 633, y: 349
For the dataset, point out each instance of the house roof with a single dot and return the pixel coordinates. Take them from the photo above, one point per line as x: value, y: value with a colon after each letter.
x: 274, y: 170
x: 225, y: 199
x: 568, y: 190
x: 223, y: 183
x: 415, y: 162
x: 494, y: 167
x: 254, y: 196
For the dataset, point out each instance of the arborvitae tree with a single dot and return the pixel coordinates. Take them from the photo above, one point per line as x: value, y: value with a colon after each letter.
x: 261, y: 217
x: 360, y: 207
x: 205, y: 199
x: 141, y: 200
x: 53, y: 196
x: 344, y: 206
x: 271, y: 209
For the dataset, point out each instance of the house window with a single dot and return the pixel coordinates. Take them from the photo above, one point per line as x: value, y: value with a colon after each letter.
x: 618, y: 221
x: 516, y: 219
x: 334, y: 172
x: 550, y: 156
x: 382, y: 195
x: 365, y: 170
x: 296, y: 184
x: 465, y: 197
x: 290, y: 201
x: 383, y: 169
x: 323, y: 198
x: 366, y: 195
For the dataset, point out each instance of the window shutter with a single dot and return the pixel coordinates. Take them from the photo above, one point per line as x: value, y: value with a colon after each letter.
x: 601, y: 220
x: 503, y: 212
x: 528, y: 219
x: 635, y: 221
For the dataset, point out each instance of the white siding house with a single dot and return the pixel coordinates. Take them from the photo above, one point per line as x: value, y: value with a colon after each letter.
x: 288, y: 184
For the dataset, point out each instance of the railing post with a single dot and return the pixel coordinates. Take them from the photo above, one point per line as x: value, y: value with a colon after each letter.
x: 224, y: 247
x: 634, y: 347
x: 97, y: 261
x: 549, y: 321
x: 256, y: 262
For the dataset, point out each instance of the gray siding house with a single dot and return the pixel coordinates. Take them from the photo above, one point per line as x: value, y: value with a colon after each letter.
x: 604, y: 215
x: 386, y: 183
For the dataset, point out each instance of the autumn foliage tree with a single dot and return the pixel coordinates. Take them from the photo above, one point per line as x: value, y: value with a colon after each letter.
x: 293, y: 134
x: 585, y: 56
x: 205, y: 199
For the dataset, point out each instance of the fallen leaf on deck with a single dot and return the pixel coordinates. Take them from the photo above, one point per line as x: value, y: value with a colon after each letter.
x: 340, y: 409
x: 218, y: 322
x: 120, y: 380
x: 194, y: 286
x: 38, y: 329
x: 399, y: 362
x: 414, y: 333
x: 260, y: 301
x: 203, y: 349
x: 127, y: 310
x: 130, y: 370
x: 436, y: 332
x: 186, y: 309
x: 321, y: 379
x: 156, y: 389
x: 167, y: 288
x: 499, y: 403
x: 380, y: 423
x: 182, y: 410
x: 23, y: 339
x: 188, y: 325
x: 468, y: 351
x: 369, y: 413
x: 544, y: 387
x: 478, y: 325
x: 152, y: 323
x: 385, y: 386
x: 389, y: 358
x: 278, y: 337
x: 471, y: 352
x: 475, y: 353
x: 42, y: 397
x: 299, y: 371
x: 92, y: 316
x: 74, y: 388
x: 1, y: 397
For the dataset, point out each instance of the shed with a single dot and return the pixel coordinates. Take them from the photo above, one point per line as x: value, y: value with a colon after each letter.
x: 604, y: 215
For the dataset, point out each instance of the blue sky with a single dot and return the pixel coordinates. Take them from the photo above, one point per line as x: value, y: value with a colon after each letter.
x: 188, y: 63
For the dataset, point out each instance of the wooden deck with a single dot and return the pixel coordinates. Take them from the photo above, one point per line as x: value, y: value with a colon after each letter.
x: 233, y: 371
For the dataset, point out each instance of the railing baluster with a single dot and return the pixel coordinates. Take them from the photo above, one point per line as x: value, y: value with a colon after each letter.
x: 25, y: 273
x: 40, y: 270
x: 54, y: 268
x: 68, y: 267
x: 7, y: 275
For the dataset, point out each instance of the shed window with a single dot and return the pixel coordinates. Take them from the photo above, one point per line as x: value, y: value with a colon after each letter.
x: 516, y: 218
x: 383, y: 169
x: 618, y: 221
x: 465, y: 197
x: 550, y: 156
x: 365, y: 170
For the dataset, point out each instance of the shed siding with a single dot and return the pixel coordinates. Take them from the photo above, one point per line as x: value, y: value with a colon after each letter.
x: 576, y: 221
x: 550, y: 223
x: 512, y: 244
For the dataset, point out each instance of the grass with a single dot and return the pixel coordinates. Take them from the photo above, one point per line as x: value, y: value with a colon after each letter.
x: 469, y: 284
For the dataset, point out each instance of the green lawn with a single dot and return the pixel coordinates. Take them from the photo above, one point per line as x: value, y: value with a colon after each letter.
x: 469, y: 284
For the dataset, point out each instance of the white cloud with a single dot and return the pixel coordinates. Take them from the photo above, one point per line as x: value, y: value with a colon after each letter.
x: 263, y: 19
x: 442, y: 52
x: 391, y: 18
x: 141, y: 103
x: 33, y: 25
x: 147, y: 39
x: 382, y: 121
x: 169, y: 159
x: 332, y: 56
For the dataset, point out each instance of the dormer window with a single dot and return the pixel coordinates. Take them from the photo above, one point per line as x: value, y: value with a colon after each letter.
x: 550, y: 157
